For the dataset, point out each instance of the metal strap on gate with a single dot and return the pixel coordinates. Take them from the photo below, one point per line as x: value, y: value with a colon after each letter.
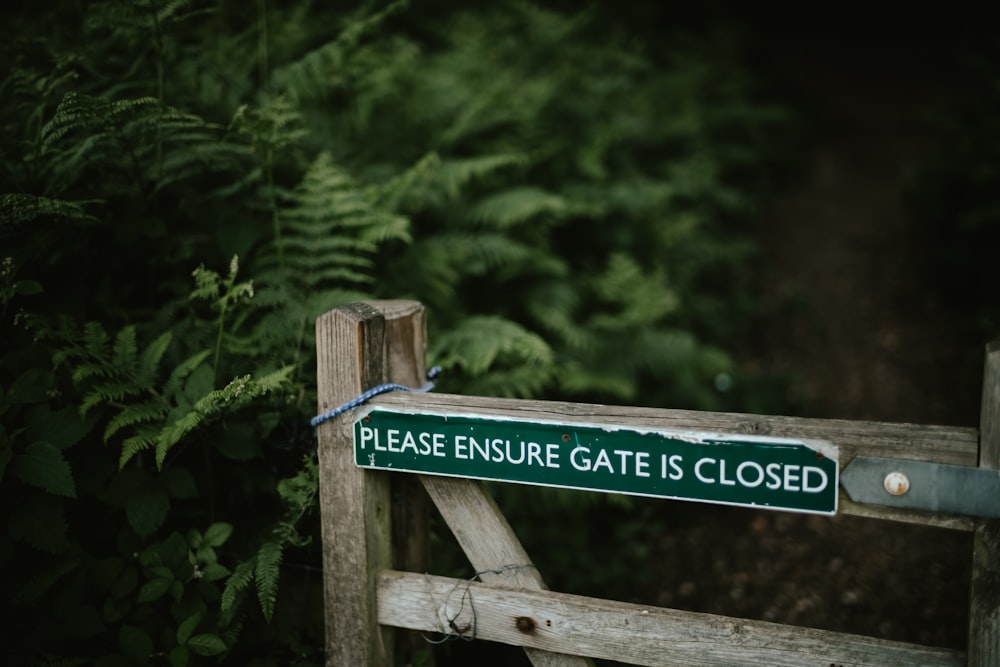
x: 917, y: 485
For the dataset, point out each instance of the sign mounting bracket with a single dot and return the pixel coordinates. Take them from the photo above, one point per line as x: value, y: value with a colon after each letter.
x: 919, y: 485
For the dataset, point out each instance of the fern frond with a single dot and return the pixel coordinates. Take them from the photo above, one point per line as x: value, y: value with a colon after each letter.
x: 141, y: 441
x: 125, y: 353
x: 75, y: 111
x: 266, y: 575
x: 606, y: 380
x: 454, y: 174
x: 113, y: 391
x: 272, y: 126
x: 553, y: 305
x: 518, y: 205
x: 170, y: 12
x: 332, y: 227
x: 524, y: 381
x: 193, y: 159
x: 638, y: 298
x: 232, y: 397
x: 136, y: 413
x: 180, y: 373
x: 180, y: 425
x: 149, y: 363
x: 85, y: 370
x: 298, y: 492
x: 95, y: 339
x: 477, y: 342
x: 313, y: 75
x: 386, y: 227
x: 17, y: 209
x: 238, y: 581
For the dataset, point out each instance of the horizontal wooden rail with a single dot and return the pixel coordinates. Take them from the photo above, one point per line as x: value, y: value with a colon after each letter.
x: 624, y: 632
x: 918, y: 442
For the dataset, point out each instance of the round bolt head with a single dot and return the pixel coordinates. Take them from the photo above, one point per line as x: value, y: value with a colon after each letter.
x: 896, y: 483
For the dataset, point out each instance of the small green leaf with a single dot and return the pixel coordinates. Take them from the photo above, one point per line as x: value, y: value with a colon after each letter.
x: 205, y: 554
x: 217, y: 534
x: 214, y: 572
x: 194, y: 538
x: 187, y: 628
x: 43, y: 465
x: 63, y: 428
x: 153, y: 589
x: 206, y: 644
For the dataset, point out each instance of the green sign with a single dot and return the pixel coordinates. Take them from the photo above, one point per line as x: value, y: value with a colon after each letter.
x: 775, y: 473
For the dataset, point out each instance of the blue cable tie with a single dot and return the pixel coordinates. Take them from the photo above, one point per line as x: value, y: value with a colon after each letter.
x: 372, y: 393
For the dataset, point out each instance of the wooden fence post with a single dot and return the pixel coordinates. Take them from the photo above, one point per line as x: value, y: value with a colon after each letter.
x: 984, y: 614
x: 359, y: 346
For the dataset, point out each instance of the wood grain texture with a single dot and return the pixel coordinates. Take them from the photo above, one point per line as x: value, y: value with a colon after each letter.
x: 984, y: 611
x: 358, y: 346
x: 941, y: 444
x: 633, y: 634
x: 492, y: 548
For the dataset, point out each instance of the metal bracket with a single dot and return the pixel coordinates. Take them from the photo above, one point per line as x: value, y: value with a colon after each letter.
x: 917, y: 485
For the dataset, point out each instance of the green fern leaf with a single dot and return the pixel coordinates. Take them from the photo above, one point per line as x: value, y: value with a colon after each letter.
x: 518, y: 205
x: 145, y: 439
x: 175, y: 382
x: 150, y: 361
x: 266, y: 575
x: 136, y: 413
x: 331, y: 228
x: 75, y: 111
x: 553, y: 306
x: 95, y: 339
x: 113, y: 391
x: 524, y: 381
x: 577, y: 378
x: 125, y: 353
x: 454, y: 174
x: 238, y: 393
x: 182, y: 423
x: 314, y: 74
x: 640, y: 299
x: 478, y: 342
x: 238, y: 582
x: 16, y: 210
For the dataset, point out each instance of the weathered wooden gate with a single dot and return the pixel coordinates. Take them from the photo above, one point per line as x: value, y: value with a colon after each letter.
x: 374, y: 558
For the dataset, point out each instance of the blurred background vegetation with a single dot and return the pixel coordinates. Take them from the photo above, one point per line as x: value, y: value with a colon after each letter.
x: 578, y: 195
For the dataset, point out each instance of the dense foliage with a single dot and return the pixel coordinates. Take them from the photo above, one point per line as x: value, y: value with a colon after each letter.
x: 187, y: 185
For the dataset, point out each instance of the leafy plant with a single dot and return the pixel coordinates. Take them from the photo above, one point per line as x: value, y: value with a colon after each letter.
x: 188, y: 185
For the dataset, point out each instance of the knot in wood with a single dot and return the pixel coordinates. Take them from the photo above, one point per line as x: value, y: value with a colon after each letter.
x: 525, y: 624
